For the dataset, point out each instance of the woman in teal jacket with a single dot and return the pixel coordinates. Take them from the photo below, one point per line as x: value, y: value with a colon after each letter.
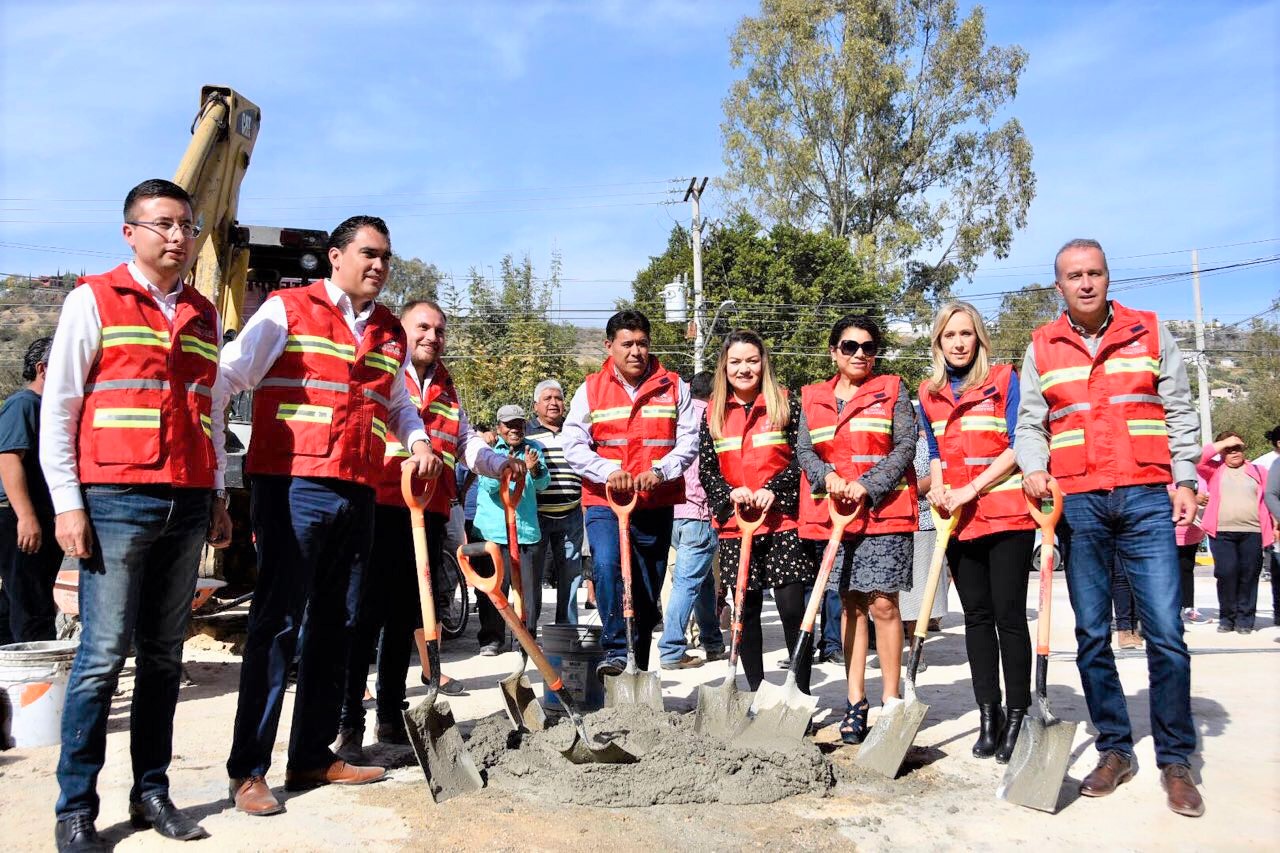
x: 491, y: 523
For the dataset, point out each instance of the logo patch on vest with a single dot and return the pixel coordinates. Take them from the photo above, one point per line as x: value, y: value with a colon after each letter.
x: 1133, y: 347
x: 987, y: 405
x: 392, y: 349
x: 874, y: 409
x: 664, y: 397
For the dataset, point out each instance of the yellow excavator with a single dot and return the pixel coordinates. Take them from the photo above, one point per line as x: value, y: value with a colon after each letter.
x: 236, y: 267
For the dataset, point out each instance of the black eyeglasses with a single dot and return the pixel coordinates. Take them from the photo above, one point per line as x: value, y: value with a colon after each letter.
x: 166, y: 227
x: 850, y: 348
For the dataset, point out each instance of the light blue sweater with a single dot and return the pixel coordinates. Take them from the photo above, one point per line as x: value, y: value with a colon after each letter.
x: 491, y: 519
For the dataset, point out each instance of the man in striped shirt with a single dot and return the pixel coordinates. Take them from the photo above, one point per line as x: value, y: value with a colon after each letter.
x: 560, y: 504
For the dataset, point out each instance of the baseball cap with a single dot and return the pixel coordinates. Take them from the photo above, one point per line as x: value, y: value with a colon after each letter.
x: 510, y: 412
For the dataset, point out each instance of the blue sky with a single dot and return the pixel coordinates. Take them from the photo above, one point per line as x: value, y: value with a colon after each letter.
x: 492, y: 127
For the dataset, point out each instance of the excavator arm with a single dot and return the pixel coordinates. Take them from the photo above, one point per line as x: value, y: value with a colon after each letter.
x: 222, y: 139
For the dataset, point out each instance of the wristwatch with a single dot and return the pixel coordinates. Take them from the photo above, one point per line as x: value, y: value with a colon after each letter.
x: 657, y: 472
x: 1187, y: 484
x: 222, y: 495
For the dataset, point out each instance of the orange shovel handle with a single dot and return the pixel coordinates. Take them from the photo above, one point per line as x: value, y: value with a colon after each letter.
x: 839, y: 521
x: 511, y: 491
x: 1047, y: 521
x: 417, y: 502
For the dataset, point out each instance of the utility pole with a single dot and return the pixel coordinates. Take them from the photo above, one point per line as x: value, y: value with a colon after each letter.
x: 1202, y: 360
x: 694, y: 195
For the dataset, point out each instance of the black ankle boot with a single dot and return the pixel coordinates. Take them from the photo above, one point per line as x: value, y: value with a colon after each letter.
x: 990, y: 724
x: 1012, y: 725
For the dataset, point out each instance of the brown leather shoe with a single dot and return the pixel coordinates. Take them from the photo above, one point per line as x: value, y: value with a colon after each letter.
x: 1180, y: 789
x: 1113, y: 770
x: 253, y: 797
x: 337, y: 773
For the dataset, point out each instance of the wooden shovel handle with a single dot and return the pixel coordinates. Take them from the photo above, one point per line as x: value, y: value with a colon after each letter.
x: 511, y: 491
x: 944, y: 527
x: 1047, y: 521
x: 839, y: 521
x: 417, y: 502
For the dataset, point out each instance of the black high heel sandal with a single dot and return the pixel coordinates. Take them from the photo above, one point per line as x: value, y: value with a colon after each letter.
x: 853, y: 728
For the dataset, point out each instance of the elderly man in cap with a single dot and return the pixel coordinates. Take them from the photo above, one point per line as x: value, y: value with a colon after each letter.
x: 491, y: 524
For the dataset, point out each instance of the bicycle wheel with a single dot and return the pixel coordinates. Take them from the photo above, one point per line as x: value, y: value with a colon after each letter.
x: 453, y: 617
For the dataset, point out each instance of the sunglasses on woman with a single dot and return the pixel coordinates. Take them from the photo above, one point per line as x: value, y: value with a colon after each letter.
x: 850, y: 348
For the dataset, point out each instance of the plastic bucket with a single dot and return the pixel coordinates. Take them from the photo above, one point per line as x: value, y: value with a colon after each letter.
x: 575, y: 651
x: 33, y: 687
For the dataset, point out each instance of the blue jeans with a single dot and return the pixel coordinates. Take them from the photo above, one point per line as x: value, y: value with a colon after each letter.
x: 650, y: 539
x: 1122, y: 599
x: 1129, y: 527
x: 693, y: 589
x: 311, y: 535
x: 138, y: 586
x: 559, y: 554
x: 830, y: 640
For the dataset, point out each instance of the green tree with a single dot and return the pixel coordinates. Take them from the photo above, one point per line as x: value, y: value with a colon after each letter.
x: 410, y: 279
x: 1020, y: 314
x: 879, y: 121
x: 502, y: 341
x: 786, y: 283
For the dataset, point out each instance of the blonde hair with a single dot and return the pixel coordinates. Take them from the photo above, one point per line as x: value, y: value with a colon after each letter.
x: 979, y: 368
x: 775, y: 399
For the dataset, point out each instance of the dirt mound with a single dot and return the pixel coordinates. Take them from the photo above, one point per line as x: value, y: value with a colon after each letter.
x: 677, y: 764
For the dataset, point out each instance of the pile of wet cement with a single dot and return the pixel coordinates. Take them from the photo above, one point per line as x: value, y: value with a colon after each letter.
x: 677, y: 764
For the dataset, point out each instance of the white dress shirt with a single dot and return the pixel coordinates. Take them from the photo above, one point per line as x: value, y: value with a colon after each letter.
x: 246, y: 360
x: 76, y: 346
x: 579, y: 449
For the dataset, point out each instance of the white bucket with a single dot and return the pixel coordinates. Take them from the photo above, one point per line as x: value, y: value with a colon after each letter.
x: 33, y: 687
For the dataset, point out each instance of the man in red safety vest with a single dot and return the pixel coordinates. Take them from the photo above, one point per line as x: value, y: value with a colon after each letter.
x: 630, y: 425
x: 1106, y: 412
x: 126, y: 445
x: 327, y: 365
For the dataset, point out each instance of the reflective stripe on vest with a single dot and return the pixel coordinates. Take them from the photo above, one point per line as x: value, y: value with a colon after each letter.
x: 320, y: 346
x: 192, y: 344
x: 142, y: 336
x: 127, y: 418
x: 380, y: 361
x: 305, y: 412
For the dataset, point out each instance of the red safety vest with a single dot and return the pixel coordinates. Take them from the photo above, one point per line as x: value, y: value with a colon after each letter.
x: 1106, y: 416
x: 854, y: 441
x: 971, y: 432
x: 751, y: 452
x: 442, y: 417
x: 148, y: 398
x: 635, y: 434
x: 321, y: 410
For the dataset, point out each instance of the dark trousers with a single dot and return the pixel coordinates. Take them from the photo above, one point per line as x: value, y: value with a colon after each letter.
x: 1187, y: 573
x: 650, y: 541
x: 28, y: 581
x: 991, y: 574
x: 559, y: 555
x: 388, y: 611
x: 1237, y: 563
x: 790, y: 600
x: 492, y: 628
x: 1122, y: 600
x: 311, y: 535
x: 137, y: 586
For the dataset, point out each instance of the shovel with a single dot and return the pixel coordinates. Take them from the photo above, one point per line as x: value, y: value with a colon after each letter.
x: 517, y: 692
x: 436, y: 741
x: 889, y: 740
x: 631, y: 686
x: 1043, y: 751
x: 584, y: 749
x: 722, y: 711
x: 785, y: 712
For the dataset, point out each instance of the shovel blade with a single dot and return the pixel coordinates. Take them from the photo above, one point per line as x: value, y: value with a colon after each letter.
x: 722, y: 711
x: 585, y: 751
x: 633, y: 688
x: 1038, y: 764
x: 522, y: 703
x: 890, y: 739
x: 782, y: 714
x: 438, y: 746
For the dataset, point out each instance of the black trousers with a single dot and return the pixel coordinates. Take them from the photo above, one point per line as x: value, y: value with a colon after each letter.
x: 388, y: 611
x: 790, y: 600
x: 1237, y: 564
x: 28, y: 581
x: 1187, y: 573
x: 991, y: 574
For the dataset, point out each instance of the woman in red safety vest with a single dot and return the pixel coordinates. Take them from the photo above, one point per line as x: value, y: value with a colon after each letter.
x: 971, y: 409
x: 857, y: 442
x: 747, y: 457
